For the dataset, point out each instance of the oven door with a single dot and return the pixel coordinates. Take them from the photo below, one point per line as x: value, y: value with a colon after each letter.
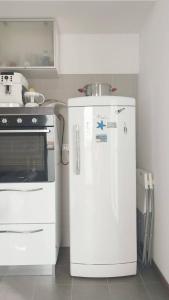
x: 27, y: 155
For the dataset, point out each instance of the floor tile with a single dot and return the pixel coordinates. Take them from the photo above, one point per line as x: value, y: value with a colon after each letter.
x: 90, y: 292
x: 89, y: 281
x: 146, y: 285
x: 47, y: 289
x: 127, y: 279
x: 127, y: 291
x: 62, y: 275
x: 157, y: 291
x: 150, y: 275
x: 17, y: 288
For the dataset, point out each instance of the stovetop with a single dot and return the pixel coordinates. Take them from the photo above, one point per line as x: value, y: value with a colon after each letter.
x: 42, y: 110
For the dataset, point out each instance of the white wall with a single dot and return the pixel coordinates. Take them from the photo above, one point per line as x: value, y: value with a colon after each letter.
x: 87, y: 17
x: 78, y: 0
x: 99, y: 53
x: 153, y: 122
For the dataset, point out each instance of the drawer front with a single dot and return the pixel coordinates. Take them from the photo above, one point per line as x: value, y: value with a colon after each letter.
x: 27, y: 203
x: 27, y: 244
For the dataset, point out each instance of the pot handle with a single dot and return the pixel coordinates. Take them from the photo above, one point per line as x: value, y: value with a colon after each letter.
x: 81, y: 90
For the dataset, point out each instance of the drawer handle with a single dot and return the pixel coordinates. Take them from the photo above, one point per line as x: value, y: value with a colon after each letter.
x: 24, y: 231
x: 24, y: 191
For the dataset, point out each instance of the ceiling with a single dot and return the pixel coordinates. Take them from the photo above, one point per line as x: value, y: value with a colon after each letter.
x: 84, y: 16
x: 79, y: 0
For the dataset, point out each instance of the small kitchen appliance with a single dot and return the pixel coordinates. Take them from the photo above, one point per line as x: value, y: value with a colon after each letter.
x: 13, y: 85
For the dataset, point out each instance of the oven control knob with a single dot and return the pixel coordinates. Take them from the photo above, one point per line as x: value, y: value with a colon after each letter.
x: 34, y: 120
x: 4, y: 121
x: 19, y: 120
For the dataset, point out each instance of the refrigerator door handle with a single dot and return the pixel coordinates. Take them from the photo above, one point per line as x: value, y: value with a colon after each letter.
x: 77, y: 149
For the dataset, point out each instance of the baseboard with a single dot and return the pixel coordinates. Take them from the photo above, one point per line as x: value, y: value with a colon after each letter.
x: 27, y: 270
x: 161, y: 275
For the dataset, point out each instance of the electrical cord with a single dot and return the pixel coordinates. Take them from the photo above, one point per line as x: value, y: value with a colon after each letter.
x: 62, y: 120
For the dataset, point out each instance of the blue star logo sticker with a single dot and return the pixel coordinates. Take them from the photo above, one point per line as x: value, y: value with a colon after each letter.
x: 101, y: 125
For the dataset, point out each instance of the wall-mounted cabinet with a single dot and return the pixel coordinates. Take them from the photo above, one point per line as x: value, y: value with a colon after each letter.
x: 28, y: 44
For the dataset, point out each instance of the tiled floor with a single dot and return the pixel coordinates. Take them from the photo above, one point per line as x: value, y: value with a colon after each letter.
x: 145, y: 286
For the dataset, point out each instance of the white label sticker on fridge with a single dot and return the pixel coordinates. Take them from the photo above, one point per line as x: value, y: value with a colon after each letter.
x: 101, y: 138
x: 111, y: 125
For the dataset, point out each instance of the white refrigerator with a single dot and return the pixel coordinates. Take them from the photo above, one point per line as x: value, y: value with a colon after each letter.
x: 102, y: 186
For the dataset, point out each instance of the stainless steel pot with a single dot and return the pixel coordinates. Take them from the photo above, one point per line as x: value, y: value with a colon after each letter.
x: 97, y: 89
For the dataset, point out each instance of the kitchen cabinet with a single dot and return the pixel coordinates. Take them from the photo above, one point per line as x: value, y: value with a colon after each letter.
x: 28, y: 224
x: 27, y: 244
x: 27, y: 44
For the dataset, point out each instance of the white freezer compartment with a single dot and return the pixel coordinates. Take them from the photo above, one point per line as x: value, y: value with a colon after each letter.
x: 27, y: 244
x: 102, y: 185
x: 27, y: 203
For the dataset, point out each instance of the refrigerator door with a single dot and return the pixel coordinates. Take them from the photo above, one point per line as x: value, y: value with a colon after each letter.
x: 102, y: 185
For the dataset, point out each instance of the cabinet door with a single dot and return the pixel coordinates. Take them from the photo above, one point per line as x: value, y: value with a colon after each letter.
x: 102, y: 185
x: 27, y: 244
x: 27, y: 43
x: 27, y: 203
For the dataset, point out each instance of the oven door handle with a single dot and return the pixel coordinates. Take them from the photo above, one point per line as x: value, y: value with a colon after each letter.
x: 24, y: 191
x: 24, y: 130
